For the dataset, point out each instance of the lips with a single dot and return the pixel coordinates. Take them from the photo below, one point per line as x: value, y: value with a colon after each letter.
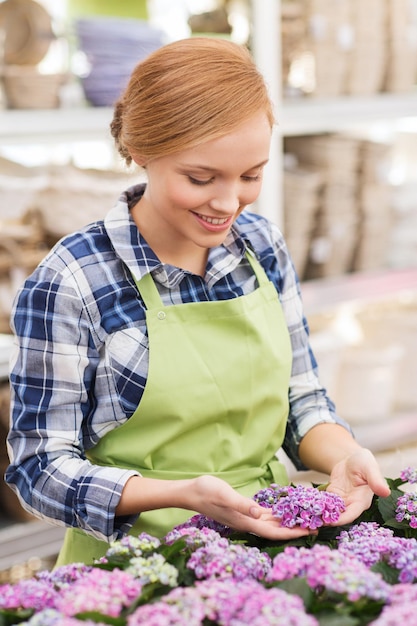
x: 214, y: 224
x: 217, y: 221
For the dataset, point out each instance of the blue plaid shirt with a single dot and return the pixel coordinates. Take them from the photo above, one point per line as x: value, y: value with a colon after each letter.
x: 80, y: 362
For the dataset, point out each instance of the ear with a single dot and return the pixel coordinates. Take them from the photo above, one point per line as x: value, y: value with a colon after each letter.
x: 138, y: 159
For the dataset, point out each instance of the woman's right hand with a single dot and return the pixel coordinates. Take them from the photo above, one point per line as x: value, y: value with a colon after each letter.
x: 209, y: 496
x: 216, y: 499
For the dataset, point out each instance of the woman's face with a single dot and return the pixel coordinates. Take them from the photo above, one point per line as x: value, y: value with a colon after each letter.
x: 193, y: 197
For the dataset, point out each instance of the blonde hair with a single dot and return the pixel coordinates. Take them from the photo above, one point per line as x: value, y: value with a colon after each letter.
x: 187, y: 92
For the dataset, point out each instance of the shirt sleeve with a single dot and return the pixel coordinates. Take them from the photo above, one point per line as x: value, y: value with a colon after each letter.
x: 309, y: 403
x: 52, y: 381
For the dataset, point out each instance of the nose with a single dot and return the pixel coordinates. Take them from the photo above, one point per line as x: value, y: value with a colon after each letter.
x: 225, y: 199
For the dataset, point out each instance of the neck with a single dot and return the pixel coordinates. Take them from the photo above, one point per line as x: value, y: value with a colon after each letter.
x: 189, y: 257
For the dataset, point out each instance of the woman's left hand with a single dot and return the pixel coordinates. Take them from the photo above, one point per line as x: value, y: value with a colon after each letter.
x: 356, y: 479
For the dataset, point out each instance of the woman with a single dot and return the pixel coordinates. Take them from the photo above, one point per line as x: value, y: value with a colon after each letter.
x: 162, y: 355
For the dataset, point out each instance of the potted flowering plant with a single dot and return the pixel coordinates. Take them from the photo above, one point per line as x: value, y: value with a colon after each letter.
x: 203, y: 573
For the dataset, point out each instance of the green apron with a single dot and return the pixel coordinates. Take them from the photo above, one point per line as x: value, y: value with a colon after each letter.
x: 215, y: 402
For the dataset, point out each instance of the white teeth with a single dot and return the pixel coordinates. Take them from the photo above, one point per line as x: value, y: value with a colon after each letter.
x: 214, y: 220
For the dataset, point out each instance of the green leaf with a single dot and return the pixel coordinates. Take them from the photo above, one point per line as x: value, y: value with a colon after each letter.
x: 150, y: 592
x: 328, y: 534
x: 94, y: 616
x: 388, y: 505
x: 178, y: 554
x: 394, y: 483
x: 297, y: 587
x: 171, y: 551
x: 335, y: 619
x: 333, y: 602
x: 403, y: 528
x: 392, y: 523
x: 388, y: 573
x: 16, y: 616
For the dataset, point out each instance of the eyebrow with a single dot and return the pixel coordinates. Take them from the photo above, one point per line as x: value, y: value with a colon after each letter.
x: 207, y: 168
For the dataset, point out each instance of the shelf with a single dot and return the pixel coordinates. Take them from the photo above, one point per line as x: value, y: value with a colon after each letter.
x: 18, y: 126
x: 388, y: 434
x: 304, y: 116
x: 323, y: 295
x: 297, y: 116
x: 392, y: 440
x: 21, y: 542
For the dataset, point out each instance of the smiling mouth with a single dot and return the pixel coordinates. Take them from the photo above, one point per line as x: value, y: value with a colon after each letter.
x: 216, y: 221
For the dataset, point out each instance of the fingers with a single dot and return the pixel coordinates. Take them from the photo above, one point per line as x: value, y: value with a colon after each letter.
x: 264, y: 524
x: 356, y: 485
x: 373, y: 476
x: 253, y: 518
x: 357, y: 479
x: 271, y: 529
x: 352, y: 513
x: 379, y: 485
x: 255, y: 512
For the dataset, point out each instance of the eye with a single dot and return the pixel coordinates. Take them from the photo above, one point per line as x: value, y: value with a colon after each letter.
x: 197, y: 181
x: 252, y: 179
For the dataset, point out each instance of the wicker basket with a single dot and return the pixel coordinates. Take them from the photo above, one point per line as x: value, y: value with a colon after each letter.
x: 26, y: 88
x: 367, y: 382
x: 73, y: 198
x: 29, y: 32
x: 396, y: 322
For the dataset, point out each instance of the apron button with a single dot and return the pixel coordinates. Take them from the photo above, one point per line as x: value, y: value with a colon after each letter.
x: 161, y: 315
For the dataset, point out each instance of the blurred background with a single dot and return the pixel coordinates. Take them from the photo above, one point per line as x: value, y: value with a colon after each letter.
x: 341, y: 182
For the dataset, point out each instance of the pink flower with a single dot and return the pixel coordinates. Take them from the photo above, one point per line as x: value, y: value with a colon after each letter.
x: 409, y: 475
x: 100, y: 591
x: 307, y: 507
x: 231, y: 602
x: 221, y: 559
x: 28, y: 594
x: 406, y: 509
x: 328, y: 569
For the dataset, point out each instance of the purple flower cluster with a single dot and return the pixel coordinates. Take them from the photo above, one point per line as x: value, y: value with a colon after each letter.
x: 403, y: 557
x: 193, y: 537
x: 221, y: 559
x: 409, y: 475
x: 269, y: 496
x: 227, y: 602
x: 331, y: 570
x: 28, y: 594
x: 181, y: 606
x: 298, y: 505
x: 203, y: 522
x: 402, y: 607
x: 406, y: 509
x: 230, y: 583
x: 370, y: 543
x: 65, y: 575
x: 393, y: 615
x: 101, y: 591
x: 236, y: 603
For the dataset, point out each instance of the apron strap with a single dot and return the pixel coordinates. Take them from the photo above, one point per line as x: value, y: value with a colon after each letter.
x: 152, y: 299
x: 149, y: 292
x: 258, y: 270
